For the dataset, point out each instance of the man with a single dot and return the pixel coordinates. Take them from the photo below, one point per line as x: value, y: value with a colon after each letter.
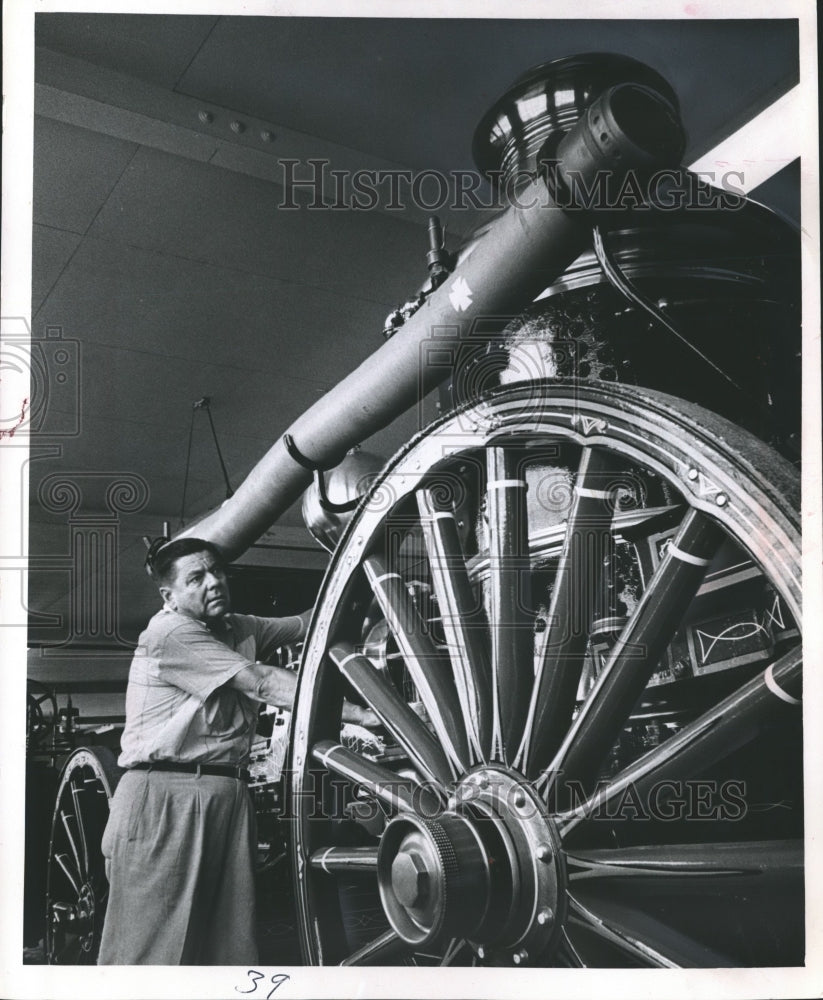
x: 180, y: 841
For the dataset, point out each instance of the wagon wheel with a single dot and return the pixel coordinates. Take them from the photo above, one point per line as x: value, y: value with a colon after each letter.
x: 77, y: 887
x: 606, y: 771
x: 41, y: 713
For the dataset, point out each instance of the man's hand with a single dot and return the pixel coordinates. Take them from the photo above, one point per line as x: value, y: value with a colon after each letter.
x: 359, y: 715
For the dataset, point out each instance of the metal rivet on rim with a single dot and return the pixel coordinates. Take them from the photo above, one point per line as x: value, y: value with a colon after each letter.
x: 544, y: 916
x: 721, y: 499
x: 519, y: 957
x: 693, y: 473
x: 544, y: 852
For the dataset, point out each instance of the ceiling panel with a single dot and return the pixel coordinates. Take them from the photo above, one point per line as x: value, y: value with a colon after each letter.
x: 76, y: 171
x: 108, y: 446
x: 172, y: 307
x: 52, y: 250
x: 155, y: 49
x: 127, y: 384
x: 195, y: 211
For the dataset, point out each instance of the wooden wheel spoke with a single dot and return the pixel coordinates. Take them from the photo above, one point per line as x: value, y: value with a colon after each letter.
x: 512, y: 633
x: 73, y: 876
x: 385, y: 785
x: 641, y: 938
x: 567, y: 953
x: 69, y: 821
x: 633, y: 525
x: 333, y: 860
x: 562, y: 648
x: 78, y: 796
x: 686, y: 861
x: 387, y: 946
x: 463, y: 621
x: 638, y: 650
x: 395, y: 714
x: 726, y: 727
x: 426, y: 664
x: 455, y: 946
x: 625, y: 942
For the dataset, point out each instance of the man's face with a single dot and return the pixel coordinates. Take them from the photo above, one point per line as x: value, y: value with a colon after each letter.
x: 199, y: 588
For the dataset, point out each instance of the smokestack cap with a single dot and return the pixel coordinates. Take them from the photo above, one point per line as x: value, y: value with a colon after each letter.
x: 547, y: 101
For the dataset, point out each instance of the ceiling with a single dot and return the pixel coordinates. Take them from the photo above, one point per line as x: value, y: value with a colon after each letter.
x: 164, y: 258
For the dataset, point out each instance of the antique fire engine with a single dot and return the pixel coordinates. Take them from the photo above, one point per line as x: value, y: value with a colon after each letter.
x: 573, y: 600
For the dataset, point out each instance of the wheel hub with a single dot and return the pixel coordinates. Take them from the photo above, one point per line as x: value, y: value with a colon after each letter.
x: 77, y: 918
x: 488, y: 869
x: 85, y: 915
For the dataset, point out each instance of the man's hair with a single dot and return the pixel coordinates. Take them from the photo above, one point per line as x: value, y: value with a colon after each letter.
x: 163, y: 561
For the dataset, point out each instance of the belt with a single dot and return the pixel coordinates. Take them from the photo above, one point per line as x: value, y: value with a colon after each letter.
x: 221, y: 770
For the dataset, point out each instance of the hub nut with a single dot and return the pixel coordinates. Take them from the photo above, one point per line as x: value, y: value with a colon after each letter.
x: 409, y: 877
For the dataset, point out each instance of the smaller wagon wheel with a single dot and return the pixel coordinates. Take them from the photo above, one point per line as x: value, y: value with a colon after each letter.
x: 77, y: 887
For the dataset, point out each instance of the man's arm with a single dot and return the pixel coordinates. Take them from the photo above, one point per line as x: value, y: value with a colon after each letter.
x: 305, y: 618
x: 277, y: 686
x: 272, y: 634
x: 268, y: 684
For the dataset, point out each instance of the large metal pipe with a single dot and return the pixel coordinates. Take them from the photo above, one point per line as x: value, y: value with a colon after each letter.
x: 628, y: 129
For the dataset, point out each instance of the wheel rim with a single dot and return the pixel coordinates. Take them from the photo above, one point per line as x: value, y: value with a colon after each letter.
x: 77, y: 889
x: 507, y: 827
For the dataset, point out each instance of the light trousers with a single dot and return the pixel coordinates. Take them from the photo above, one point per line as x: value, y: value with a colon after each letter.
x: 180, y: 851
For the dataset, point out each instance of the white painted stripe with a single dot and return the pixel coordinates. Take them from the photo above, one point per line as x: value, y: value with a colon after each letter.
x: 716, y: 581
x: 583, y: 491
x: 323, y: 860
x: 775, y: 688
x: 386, y: 576
x: 324, y: 757
x: 346, y: 659
x: 441, y: 514
x: 600, y: 624
x: 687, y: 556
x: 499, y: 484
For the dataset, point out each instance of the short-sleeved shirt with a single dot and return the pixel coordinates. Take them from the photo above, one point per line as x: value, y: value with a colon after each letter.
x: 179, y: 707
